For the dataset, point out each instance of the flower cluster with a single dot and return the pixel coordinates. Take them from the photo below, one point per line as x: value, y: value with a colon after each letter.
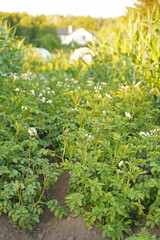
x: 53, y: 78
x: 45, y: 91
x: 104, y: 113
x: 97, y: 89
x: 66, y: 79
x: 66, y: 85
x: 74, y: 81
x: 24, y: 108
x: 125, y: 87
x: 118, y: 171
x: 154, y: 131
x: 75, y: 109
x: 15, y: 76
x: 138, y: 84
x: 148, y: 134
x: 99, y: 96
x: 49, y: 101
x: 43, y: 99
x: 128, y: 115
x: 103, y: 83
x: 32, y: 131
x: 120, y: 163
x: 88, y: 136
x: 59, y: 84
x: 28, y: 76
x: 108, y: 95
x: 33, y: 92
x: 90, y: 82
x: 143, y: 134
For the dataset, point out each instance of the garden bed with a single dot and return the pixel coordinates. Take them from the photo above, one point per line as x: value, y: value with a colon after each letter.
x: 51, y: 228
x: 81, y: 141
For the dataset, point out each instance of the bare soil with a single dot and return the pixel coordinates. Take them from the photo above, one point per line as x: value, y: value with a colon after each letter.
x: 51, y: 228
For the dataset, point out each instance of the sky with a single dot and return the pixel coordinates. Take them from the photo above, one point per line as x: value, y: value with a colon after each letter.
x: 94, y: 8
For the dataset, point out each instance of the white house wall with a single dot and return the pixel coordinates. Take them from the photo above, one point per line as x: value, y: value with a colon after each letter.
x: 66, y: 39
x: 80, y: 36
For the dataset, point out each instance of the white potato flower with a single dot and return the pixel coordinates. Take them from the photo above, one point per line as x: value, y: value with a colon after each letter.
x: 33, y: 92
x: 88, y: 135
x: 24, y: 108
x: 125, y: 87
x: 148, y: 134
x: 128, y: 115
x: 144, y: 134
x: 118, y: 171
x: 120, y: 163
x: 59, y: 84
x: 154, y: 131
x: 49, y: 101
x: 108, y: 95
x: 138, y: 84
x: 104, y: 113
x: 43, y: 99
x: 32, y: 131
x: 15, y: 76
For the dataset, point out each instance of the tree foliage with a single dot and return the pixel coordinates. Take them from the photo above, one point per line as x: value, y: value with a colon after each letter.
x: 88, y: 23
x: 147, y: 8
x: 34, y: 29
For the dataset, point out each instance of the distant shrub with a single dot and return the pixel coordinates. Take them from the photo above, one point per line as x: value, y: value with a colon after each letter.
x: 11, y: 50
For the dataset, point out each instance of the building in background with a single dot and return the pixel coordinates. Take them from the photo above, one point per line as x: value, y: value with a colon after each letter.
x: 79, y: 36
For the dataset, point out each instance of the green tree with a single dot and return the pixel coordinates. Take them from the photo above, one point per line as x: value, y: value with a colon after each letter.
x: 35, y: 30
x: 11, y: 50
x: 146, y: 8
x: 144, y: 4
x: 48, y: 41
x: 47, y: 37
x: 66, y: 21
x: 88, y: 23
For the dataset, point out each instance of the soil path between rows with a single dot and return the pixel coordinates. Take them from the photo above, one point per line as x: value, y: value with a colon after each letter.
x: 51, y: 228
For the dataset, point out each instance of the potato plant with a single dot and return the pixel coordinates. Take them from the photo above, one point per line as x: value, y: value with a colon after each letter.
x: 27, y: 169
x: 108, y: 138
x: 27, y: 165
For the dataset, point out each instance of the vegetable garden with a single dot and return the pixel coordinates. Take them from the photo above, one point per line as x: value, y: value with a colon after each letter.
x: 99, y: 122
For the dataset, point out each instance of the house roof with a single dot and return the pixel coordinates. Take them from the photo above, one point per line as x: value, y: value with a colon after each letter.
x: 62, y: 31
x: 93, y: 32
